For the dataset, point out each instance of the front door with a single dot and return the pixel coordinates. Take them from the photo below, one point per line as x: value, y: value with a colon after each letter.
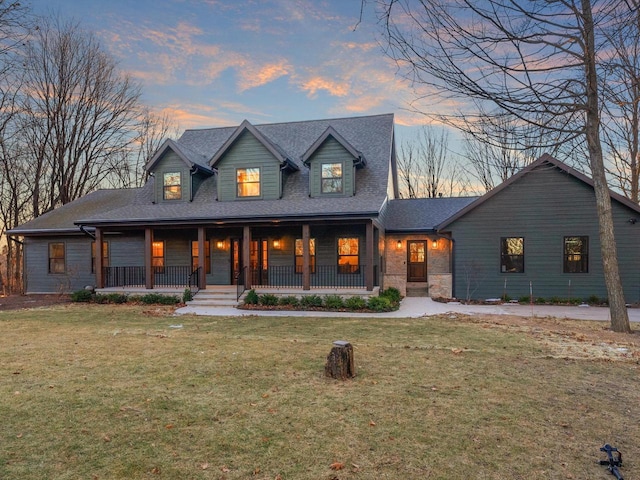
x: 258, y: 260
x: 417, y: 261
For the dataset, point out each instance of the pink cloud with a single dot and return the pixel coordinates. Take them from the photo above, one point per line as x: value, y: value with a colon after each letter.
x: 333, y: 88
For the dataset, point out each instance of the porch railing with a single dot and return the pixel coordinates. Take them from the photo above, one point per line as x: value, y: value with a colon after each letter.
x: 323, y: 276
x: 239, y: 277
x: 169, y: 276
x: 193, y: 282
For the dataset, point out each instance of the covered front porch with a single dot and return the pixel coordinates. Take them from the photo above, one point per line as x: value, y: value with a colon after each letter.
x: 299, y: 257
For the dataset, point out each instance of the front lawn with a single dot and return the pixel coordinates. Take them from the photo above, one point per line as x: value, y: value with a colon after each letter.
x: 130, y: 392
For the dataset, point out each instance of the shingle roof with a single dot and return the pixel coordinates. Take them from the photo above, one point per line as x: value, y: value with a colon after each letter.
x: 61, y: 220
x: 371, y: 135
x: 422, y: 214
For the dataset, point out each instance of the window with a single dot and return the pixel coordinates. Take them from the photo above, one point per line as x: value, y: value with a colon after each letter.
x: 576, y: 255
x: 195, y: 255
x: 331, y: 177
x: 348, y: 261
x: 56, y: 258
x: 312, y: 255
x: 248, y: 182
x: 105, y: 255
x: 172, y: 187
x: 157, y: 256
x: 512, y: 254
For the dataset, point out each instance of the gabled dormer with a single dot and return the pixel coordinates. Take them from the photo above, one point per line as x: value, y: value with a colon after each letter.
x: 332, y: 162
x: 250, y: 166
x: 178, y: 172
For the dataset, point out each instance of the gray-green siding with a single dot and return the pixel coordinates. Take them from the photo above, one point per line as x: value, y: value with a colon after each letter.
x: 332, y: 152
x: 248, y: 152
x: 543, y: 206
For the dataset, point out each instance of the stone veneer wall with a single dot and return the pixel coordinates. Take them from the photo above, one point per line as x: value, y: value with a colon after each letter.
x: 438, y: 264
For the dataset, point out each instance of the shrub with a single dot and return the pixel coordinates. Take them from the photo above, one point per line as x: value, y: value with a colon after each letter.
x: 333, y: 301
x: 82, y: 296
x: 505, y: 298
x: 251, y: 298
x: 355, y: 303
x: 187, y: 296
x: 540, y: 300
x: 118, y: 298
x: 291, y: 301
x: 379, y: 304
x: 524, y: 299
x: 593, y: 300
x: 310, y: 301
x: 268, y: 299
x: 557, y: 300
x: 393, y: 294
x: 156, y: 298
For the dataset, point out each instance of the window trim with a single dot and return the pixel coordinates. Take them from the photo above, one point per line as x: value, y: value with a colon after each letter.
x: 105, y: 255
x: 504, y: 255
x: 582, y: 262
x: 300, y: 257
x: 207, y: 257
x: 259, y: 182
x: 53, y: 259
x: 332, y: 178
x: 154, y: 258
x: 342, y: 267
x: 166, y: 187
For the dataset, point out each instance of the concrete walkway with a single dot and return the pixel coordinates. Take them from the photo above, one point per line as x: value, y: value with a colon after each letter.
x: 415, y: 307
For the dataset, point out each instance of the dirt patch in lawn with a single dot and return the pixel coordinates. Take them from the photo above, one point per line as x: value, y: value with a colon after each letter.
x: 16, y: 302
x: 570, y: 339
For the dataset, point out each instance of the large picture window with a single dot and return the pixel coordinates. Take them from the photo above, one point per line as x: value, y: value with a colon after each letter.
x: 576, y: 255
x: 157, y: 256
x: 195, y: 255
x: 248, y: 182
x: 331, y: 177
x: 312, y: 255
x: 172, y: 186
x: 105, y: 255
x: 512, y: 254
x: 348, y: 255
x: 56, y: 258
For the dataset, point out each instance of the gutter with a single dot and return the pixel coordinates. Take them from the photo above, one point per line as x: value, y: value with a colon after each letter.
x: 89, y: 234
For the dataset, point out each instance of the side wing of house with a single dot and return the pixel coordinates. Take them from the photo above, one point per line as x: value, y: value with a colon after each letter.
x: 540, y: 233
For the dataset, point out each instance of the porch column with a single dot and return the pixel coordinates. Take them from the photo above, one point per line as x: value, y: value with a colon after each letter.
x: 306, y: 258
x: 368, y: 268
x: 98, y: 261
x: 148, y: 258
x: 246, y: 256
x: 202, y: 258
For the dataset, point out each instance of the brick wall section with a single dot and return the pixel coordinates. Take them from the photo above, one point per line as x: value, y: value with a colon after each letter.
x: 438, y: 264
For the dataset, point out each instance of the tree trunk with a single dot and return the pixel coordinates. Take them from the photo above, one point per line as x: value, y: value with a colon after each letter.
x: 340, y: 363
x: 617, y: 306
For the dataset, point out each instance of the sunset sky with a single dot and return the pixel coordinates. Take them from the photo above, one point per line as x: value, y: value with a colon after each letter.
x: 215, y: 63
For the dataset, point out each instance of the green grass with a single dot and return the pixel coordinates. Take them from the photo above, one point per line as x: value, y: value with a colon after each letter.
x: 104, y: 392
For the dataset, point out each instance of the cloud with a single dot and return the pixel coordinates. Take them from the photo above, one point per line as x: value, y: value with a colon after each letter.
x: 334, y: 88
x: 255, y: 76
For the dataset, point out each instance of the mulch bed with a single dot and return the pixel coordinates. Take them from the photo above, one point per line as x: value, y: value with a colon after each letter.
x: 16, y: 302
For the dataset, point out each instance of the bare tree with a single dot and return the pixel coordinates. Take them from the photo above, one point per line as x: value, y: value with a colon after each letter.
x: 621, y: 108
x: 80, y: 113
x: 535, y: 60
x: 427, y: 168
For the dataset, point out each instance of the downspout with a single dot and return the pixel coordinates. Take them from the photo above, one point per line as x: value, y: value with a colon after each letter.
x: 89, y: 234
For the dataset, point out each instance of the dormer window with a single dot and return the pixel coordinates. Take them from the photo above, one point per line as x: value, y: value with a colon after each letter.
x: 248, y: 182
x: 172, y: 186
x: 331, y: 177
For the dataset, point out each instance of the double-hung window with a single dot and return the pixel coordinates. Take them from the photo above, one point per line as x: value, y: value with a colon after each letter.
x: 331, y: 177
x: 576, y: 255
x: 300, y: 252
x: 157, y: 256
x: 348, y: 255
x: 172, y: 187
x: 57, y: 258
x: 248, y: 182
x: 195, y: 254
x: 512, y: 254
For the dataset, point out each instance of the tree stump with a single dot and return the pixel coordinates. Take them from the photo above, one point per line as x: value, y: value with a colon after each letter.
x: 340, y: 363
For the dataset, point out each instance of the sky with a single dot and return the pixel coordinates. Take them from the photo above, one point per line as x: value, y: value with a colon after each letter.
x: 211, y: 63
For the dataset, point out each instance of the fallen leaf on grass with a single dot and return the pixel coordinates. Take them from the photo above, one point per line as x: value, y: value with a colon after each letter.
x: 155, y: 471
x: 457, y: 351
x: 336, y: 466
x: 204, y: 466
x: 372, y: 423
x: 225, y: 469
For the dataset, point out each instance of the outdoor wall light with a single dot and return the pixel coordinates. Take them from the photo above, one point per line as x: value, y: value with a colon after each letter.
x: 276, y: 244
x: 399, y: 245
x: 221, y: 245
x: 434, y: 244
